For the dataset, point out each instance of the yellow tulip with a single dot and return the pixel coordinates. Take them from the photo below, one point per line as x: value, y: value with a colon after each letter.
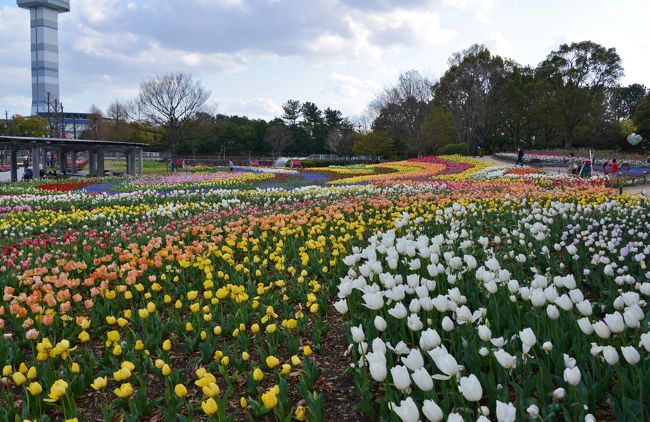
x: 300, y: 413
x: 125, y: 390
x: 35, y: 389
x: 75, y: 368
x: 286, y: 368
x: 83, y: 336
x: 272, y: 361
x: 167, y: 345
x: 180, y: 390
x: 210, y: 407
x: 243, y: 402
x: 31, y: 374
x: 269, y: 399
x: 258, y: 375
x: 19, y: 379
x: 99, y: 383
x: 57, y: 390
x: 295, y: 360
x: 166, y: 370
x: 307, y: 350
x: 211, y: 390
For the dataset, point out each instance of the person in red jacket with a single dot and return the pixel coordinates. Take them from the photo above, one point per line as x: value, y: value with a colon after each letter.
x: 614, y: 167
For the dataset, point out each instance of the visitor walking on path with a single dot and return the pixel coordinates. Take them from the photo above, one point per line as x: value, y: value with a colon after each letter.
x: 520, y: 157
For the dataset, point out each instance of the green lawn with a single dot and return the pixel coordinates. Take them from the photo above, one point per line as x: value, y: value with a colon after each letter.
x: 148, y: 167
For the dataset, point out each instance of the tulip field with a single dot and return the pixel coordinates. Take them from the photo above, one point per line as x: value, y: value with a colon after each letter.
x: 433, y: 289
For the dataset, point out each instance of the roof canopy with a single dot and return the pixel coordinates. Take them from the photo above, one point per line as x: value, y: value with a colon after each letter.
x: 72, y: 144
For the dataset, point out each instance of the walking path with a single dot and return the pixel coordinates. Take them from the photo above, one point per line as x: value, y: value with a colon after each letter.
x: 643, y: 189
x: 5, y: 176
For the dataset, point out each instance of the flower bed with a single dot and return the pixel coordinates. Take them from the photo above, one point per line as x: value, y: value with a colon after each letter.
x: 217, y: 303
x: 458, y: 319
x: 185, y: 180
x: 64, y: 187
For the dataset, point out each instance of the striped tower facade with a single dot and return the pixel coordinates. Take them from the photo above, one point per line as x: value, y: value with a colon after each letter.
x: 45, y: 49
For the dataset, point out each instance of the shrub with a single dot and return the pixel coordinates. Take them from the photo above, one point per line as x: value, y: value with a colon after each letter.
x: 451, y: 149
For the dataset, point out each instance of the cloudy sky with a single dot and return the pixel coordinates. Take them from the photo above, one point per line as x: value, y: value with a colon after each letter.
x: 253, y: 55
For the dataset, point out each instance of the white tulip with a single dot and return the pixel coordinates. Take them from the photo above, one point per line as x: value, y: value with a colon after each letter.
x: 422, y: 379
x: 398, y: 311
x: 564, y: 302
x: 645, y: 341
x: 505, y: 359
x: 493, y: 264
x: 429, y: 339
x: 378, y: 346
x: 572, y: 376
x: 585, y: 326
x: 380, y: 323
x: 455, y: 417
x: 414, y: 323
x: 547, y: 346
x: 559, y: 394
x: 506, y: 412
x: 414, y: 360
x: 533, y: 411
x: 610, y: 355
x: 590, y: 418
x: 445, y: 362
x: 584, y: 307
x: 602, y: 330
x: 357, y: 334
x: 484, y: 333
x: 483, y: 351
x: 615, y: 322
x: 471, y: 388
x: 432, y: 411
x: 374, y: 301
x: 400, y: 348
x: 491, y: 287
x: 341, y: 306
x: 552, y: 312
x: 631, y: 355
x: 470, y: 261
x: 528, y: 337
x: 513, y: 286
x: 537, y: 298
x: 414, y: 306
x: 447, y: 324
x: 377, y: 366
x: 401, y: 378
x: 498, y: 342
x: 576, y: 295
x: 407, y: 410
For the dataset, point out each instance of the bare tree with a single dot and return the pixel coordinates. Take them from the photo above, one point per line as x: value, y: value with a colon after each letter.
x: 341, y: 139
x: 170, y: 99
x: 278, y: 136
x: 400, y: 110
x: 118, y: 114
x: 96, y: 121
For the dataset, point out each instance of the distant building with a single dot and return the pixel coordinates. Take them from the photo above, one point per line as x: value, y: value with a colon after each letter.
x: 44, y: 23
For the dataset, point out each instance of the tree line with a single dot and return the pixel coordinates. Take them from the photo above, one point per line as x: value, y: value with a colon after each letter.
x: 573, y: 98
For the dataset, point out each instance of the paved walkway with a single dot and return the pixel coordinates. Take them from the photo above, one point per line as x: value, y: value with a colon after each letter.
x: 5, y: 176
